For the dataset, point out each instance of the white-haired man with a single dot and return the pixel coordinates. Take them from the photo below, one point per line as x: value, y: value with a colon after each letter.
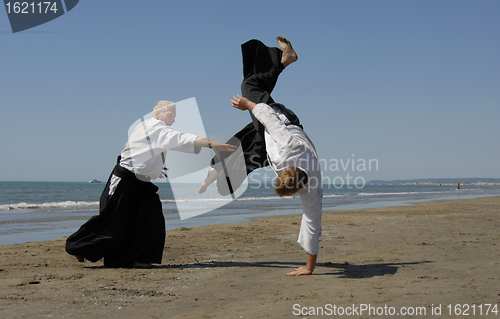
x: 130, y: 228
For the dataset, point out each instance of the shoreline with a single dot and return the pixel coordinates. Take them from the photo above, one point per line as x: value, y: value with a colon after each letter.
x: 66, y: 226
x: 60, y: 227
x: 425, y: 255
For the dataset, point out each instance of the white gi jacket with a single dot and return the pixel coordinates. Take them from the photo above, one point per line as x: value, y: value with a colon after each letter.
x: 289, y: 145
x: 145, y: 151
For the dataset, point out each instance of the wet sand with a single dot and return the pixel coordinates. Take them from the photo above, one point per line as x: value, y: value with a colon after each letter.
x: 429, y: 255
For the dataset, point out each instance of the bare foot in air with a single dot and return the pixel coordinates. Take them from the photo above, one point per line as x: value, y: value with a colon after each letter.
x: 289, y: 55
x: 211, y: 177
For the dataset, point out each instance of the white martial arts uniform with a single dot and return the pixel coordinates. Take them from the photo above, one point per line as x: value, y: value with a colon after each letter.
x: 130, y: 225
x: 145, y: 151
x: 288, y: 145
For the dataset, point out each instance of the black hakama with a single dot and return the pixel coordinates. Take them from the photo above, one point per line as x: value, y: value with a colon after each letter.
x: 261, y: 68
x: 130, y: 225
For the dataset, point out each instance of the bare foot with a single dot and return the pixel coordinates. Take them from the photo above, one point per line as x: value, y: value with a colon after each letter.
x: 300, y: 272
x: 289, y: 55
x: 211, y: 177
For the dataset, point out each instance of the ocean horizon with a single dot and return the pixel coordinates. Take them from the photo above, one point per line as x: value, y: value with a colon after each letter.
x: 37, y: 211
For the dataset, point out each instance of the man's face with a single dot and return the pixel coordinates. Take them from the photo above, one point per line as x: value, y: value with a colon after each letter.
x: 168, y: 117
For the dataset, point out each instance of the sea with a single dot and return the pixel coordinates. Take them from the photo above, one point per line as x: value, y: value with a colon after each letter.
x: 37, y: 211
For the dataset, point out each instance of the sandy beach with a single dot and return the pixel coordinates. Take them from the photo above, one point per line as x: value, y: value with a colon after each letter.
x: 427, y: 260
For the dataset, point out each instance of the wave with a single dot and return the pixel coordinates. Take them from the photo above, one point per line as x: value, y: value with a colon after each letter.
x: 397, y: 193
x: 215, y: 200
x: 66, y: 204
x: 380, y: 194
x: 444, y: 192
x: 95, y: 204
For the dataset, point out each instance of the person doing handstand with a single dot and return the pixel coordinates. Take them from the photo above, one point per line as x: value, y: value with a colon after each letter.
x: 276, y: 137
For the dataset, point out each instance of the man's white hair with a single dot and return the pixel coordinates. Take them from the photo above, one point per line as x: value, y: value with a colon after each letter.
x: 163, y: 106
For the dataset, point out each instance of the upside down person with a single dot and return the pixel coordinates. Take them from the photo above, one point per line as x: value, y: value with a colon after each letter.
x: 276, y: 138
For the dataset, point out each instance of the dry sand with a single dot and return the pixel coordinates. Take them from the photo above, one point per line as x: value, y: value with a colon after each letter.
x: 426, y: 255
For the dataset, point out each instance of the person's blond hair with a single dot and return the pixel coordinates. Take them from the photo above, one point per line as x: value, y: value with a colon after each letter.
x: 163, y: 106
x: 289, y: 181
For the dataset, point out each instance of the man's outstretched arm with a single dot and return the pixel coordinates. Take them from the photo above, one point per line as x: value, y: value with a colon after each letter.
x: 268, y: 117
x: 217, y: 147
x: 242, y: 103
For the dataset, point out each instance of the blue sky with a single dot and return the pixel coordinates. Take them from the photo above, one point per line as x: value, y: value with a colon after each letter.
x: 412, y: 84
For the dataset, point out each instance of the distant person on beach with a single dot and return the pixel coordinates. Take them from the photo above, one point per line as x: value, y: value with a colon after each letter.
x: 130, y: 228
x: 275, y: 136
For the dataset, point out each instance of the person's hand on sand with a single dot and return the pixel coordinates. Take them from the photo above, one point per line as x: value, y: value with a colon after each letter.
x: 300, y: 271
x: 242, y: 103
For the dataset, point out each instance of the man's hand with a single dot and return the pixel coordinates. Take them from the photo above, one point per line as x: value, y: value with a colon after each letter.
x: 300, y: 271
x: 218, y: 148
x: 242, y: 103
